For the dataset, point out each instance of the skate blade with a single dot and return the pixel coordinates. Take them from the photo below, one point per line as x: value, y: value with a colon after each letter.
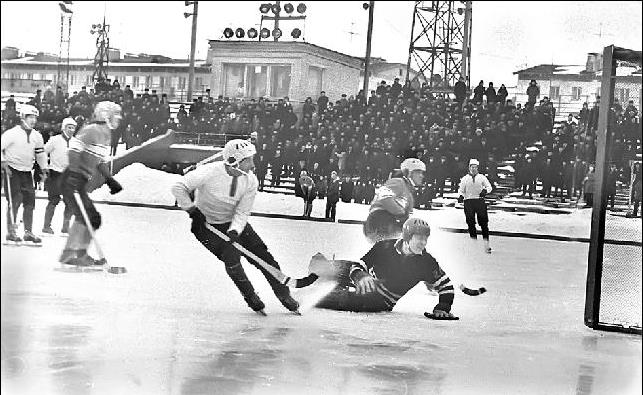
x: 261, y: 313
x: 295, y: 312
x: 433, y: 317
x: 116, y: 270
x: 78, y: 269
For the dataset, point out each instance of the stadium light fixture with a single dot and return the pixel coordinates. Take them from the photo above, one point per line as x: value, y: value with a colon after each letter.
x: 228, y: 32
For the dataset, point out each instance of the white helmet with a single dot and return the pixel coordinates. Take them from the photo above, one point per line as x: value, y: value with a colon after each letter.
x: 107, y: 111
x: 68, y: 121
x: 237, y: 150
x: 410, y: 164
x: 27, y: 109
x: 414, y: 226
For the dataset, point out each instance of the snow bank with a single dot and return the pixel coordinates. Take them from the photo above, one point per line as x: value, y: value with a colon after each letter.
x: 140, y: 185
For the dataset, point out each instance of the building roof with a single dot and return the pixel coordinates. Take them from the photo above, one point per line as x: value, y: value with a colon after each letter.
x: 289, y: 46
x: 569, y: 71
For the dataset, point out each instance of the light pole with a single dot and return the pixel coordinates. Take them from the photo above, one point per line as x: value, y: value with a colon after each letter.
x: 192, y: 45
x: 369, y: 35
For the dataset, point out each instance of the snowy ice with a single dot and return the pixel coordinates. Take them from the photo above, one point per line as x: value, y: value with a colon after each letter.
x: 176, y: 324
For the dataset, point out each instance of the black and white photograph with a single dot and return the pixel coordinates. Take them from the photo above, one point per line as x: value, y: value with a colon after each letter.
x: 321, y: 197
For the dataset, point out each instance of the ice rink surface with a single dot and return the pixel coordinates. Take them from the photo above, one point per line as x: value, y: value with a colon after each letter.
x: 175, y: 323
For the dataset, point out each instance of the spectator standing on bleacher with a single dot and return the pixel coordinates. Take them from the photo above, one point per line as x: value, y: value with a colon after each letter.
x: 490, y: 92
x: 10, y: 105
x: 502, y: 94
x: 635, y: 188
x: 307, y: 186
x: 322, y: 102
x: 332, y: 196
x: 612, y: 177
x: 478, y: 93
x: 533, y: 92
x: 588, y: 187
x: 460, y: 90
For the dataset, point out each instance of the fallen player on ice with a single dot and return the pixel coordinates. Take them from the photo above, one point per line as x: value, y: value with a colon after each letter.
x: 386, y: 273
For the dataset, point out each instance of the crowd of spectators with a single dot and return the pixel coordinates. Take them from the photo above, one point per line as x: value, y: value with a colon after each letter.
x: 145, y: 115
x: 364, y: 138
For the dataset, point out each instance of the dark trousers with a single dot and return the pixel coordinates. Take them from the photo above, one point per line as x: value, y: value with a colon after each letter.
x: 22, y: 192
x: 477, y: 208
x: 72, y: 182
x: 54, y: 193
x: 345, y: 299
x: 231, y: 257
x: 589, y: 199
x: 331, y: 209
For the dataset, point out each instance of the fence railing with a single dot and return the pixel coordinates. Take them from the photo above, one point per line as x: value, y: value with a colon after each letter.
x: 213, y: 139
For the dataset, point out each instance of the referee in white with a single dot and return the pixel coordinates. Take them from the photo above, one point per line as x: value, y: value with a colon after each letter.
x: 473, y: 188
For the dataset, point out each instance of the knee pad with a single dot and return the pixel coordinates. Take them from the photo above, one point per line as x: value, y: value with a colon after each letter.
x: 95, y: 220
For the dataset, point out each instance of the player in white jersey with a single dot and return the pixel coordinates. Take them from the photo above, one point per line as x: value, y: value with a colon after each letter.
x: 224, y: 194
x: 473, y: 188
x: 57, y: 148
x: 21, y: 146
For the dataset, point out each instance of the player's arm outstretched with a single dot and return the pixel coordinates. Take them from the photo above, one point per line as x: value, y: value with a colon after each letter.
x: 442, y: 284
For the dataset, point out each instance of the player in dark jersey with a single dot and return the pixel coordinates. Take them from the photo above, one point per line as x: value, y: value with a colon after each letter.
x: 87, y: 153
x: 389, y: 270
x: 394, y: 202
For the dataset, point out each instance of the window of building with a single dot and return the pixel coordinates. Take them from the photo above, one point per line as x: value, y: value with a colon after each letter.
x: 279, y: 81
x: 315, y: 75
x: 148, y: 81
x: 135, y: 81
x: 554, y: 92
x: 181, y: 83
x: 576, y: 92
x: 156, y: 82
x: 623, y: 95
x: 257, y: 81
x: 234, y: 80
x: 129, y: 80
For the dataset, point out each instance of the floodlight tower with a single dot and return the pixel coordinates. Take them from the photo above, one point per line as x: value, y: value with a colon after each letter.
x: 440, y: 47
x: 101, y: 59
x: 65, y: 34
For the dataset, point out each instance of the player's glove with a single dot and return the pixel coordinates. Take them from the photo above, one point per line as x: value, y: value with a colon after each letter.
x: 460, y: 199
x: 114, y: 186
x: 198, y: 219
x: 233, y: 235
x: 483, y: 193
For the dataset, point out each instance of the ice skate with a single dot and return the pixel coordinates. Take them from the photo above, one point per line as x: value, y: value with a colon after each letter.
x: 12, y: 238
x: 291, y: 304
x: 255, y: 303
x: 487, y: 247
x: 48, y: 230
x: 30, y: 237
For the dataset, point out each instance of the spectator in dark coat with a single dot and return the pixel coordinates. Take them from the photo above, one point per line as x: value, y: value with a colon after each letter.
x: 322, y: 102
x: 333, y: 196
x: 478, y: 93
x: 502, y: 94
x: 612, y: 177
x: 460, y: 90
x: 490, y: 93
x: 346, y: 192
x: 533, y: 92
x: 588, y: 187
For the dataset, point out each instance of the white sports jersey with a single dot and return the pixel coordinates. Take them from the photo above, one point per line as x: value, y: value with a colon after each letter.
x: 57, y: 147
x: 219, y: 196
x: 471, y: 187
x: 20, y: 149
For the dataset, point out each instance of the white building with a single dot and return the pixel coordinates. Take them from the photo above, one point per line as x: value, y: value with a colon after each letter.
x: 569, y: 86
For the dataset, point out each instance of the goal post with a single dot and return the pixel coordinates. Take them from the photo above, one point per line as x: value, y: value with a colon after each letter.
x: 613, y: 288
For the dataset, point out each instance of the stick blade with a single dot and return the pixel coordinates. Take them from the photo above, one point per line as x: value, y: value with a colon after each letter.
x: 306, y: 281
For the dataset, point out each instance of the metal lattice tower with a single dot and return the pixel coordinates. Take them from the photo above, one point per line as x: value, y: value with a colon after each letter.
x: 101, y: 59
x: 62, y: 75
x: 440, y: 47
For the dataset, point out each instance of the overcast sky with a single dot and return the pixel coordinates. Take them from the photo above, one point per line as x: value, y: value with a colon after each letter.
x: 506, y: 35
